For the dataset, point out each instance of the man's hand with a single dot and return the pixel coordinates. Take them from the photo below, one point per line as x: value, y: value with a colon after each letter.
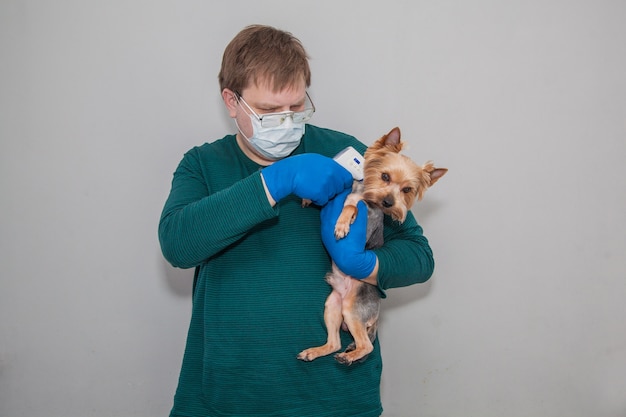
x: 309, y: 176
x: 348, y: 253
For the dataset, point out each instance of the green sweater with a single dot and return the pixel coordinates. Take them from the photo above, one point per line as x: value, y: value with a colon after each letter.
x: 259, y: 292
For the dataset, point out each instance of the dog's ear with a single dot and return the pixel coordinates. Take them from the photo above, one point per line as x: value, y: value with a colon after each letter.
x: 435, y: 173
x: 393, y: 137
x: 391, y: 141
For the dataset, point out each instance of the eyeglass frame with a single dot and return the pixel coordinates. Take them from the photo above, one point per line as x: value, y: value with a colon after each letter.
x: 304, y: 115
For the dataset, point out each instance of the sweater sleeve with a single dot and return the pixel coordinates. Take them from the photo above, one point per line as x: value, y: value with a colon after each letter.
x: 197, y: 222
x: 406, y: 257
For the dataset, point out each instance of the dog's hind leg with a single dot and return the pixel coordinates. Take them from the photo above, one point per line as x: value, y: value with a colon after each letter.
x: 333, y: 320
x: 361, y: 319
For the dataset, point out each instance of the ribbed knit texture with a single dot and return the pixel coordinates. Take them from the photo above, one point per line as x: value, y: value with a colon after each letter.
x: 259, y: 297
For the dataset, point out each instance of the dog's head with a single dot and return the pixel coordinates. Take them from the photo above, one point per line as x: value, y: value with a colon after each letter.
x: 392, y: 181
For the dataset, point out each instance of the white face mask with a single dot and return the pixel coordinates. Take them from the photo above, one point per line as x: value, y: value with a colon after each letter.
x: 275, y: 142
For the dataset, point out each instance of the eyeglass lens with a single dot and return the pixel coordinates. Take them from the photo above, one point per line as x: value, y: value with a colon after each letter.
x: 277, y: 119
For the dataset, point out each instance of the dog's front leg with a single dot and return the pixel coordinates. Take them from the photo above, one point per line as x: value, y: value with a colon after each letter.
x: 333, y: 320
x: 347, y: 216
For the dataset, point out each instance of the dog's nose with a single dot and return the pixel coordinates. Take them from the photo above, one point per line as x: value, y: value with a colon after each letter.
x: 387, y: 202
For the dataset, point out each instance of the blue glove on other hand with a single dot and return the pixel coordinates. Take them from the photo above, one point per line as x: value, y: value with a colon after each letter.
x: 349, y: 253
x: 310, y: 176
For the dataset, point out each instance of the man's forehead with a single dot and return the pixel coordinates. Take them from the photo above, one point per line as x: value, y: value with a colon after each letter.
x: 266, y: 93
x: 272, y: 84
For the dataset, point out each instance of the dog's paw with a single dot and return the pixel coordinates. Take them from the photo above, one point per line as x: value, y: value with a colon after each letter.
x: 341, y: 230
x: 343, y: 358
x: 309, y: 355
x: 313, y: 353
x: 305, y: 356
x: 352, y: 355
x: 346, y: 218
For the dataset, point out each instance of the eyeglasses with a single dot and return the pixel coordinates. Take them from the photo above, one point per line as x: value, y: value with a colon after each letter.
x: 277, y: 119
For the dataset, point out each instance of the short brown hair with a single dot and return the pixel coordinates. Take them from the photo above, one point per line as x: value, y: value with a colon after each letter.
x: 263, y: 54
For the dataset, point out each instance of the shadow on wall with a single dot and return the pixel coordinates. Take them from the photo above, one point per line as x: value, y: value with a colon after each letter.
x: 179, y: 281
x: 400, y: 297
x: 426, y: 208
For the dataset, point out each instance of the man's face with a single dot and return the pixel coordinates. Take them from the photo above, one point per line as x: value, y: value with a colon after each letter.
x: 261, y: 100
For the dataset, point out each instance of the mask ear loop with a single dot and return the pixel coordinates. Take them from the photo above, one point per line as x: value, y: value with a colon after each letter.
x: 241, y: 131
x: 238, y: 97
x: 251, y: 112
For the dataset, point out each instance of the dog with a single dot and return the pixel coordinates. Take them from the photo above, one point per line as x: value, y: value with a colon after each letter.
x: 392, y: 182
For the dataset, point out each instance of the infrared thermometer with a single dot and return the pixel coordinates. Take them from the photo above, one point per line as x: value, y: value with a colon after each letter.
x: 351, y: 160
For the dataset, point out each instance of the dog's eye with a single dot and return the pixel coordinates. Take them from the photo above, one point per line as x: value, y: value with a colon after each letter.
x: 407, y: 190
x: 385, y: 177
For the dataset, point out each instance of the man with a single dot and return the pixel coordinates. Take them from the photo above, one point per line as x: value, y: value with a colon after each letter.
x: 234, y: 213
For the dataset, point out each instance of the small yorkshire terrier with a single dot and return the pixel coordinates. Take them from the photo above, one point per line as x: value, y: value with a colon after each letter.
x: 391, y: 184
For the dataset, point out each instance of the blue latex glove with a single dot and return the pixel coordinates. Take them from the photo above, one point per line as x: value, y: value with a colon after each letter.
x: 349, y: 253
x: 310, y: 176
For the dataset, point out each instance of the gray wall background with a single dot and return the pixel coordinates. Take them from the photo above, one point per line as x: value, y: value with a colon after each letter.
x: 524, y: 102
